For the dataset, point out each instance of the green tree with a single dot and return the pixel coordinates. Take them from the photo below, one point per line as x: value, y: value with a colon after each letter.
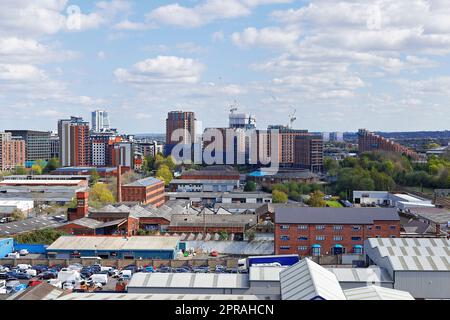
x: 36, y: 169
x: 100, y: 195
x: 279, y: 197
x: 43, y: 236
x: 331, y: 166
x: 95, y: 177
x: 20, y: 170
x: 52, y: 165
x: 250, y: 186
x: 316, y: 199
x: 223, y: 235
x: 18, y: 215
x: 163, y: 173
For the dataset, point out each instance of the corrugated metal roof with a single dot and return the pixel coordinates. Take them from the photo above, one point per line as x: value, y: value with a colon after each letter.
x: 114, y: 243
x: 372, y: 274
x: 306, y: 280
x: 266, y: 273
x: 414, y: 254
x: 145, y: 296
x: 189, y: 280
x: 143, y: 182
x: 377, y: 293
x: 286, y: 214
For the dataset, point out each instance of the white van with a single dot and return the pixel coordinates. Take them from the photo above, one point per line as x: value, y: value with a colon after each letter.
x: 23, y: 266
x: 125, y: 275
x: 99, y: 278
x: 13, y: 255
x: 31, y: 272
x: 66, y: 275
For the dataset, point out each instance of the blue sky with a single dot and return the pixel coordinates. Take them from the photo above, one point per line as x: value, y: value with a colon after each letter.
x: 381, y: 65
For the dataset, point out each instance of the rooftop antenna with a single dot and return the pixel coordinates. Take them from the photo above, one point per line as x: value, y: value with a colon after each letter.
x: 292, y: 119
x: 233, y: 106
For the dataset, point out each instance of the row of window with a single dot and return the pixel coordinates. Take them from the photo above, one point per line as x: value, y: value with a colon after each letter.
x: 322, y: 238
x: 335, y: 227
x: 316, y: 250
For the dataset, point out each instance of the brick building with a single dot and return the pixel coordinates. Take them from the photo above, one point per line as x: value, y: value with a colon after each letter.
x: 75, y: 144
x: 180, y: 120
x: 308, y: 152
x: 144, y: 191
x: 368, y: 141
x: 286, y: 143
x: 328, y: 231
x: 12, y: 152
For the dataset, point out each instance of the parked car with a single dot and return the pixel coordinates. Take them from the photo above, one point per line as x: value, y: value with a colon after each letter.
x: 23, y: 266
x: 69, y: 286
x: 99, y: 278
x: 4, y: 268
x: 214, y: 253
x: 12, y: 286
x: 86, y: 272
x: 181, y: 270
x: 22, y: 275
x: 23, y: 252
x: 125, y: 275
x: 39, y: 268
x: 33, y: 283
x: 75, y: 267
x: 8, y: 276
x: 165, y: 269
x: 200, y: 269
x: 149, y: 269
x: 13, y: 255
x: 131, y: 268
x: 46, y: 275
x: 220, y: 269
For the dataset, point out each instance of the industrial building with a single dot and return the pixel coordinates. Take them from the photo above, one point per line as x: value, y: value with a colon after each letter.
x: 194, y: 185
x: 145, y: 191
x: 351, y: 278
x: 283, y: 176
x: 8, y: 206
x: 262, y: 282
x: 331, y: 231
x: 211, y: 198
x: 419, y: 266
x: 144, y: 247
x: 376, y: 293
x: 384, y: 198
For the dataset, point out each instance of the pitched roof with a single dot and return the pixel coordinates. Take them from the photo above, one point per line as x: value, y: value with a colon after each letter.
x: 306, y: 280
x: 146, y: 182
x: 310, y: 215
x: 377, y: 293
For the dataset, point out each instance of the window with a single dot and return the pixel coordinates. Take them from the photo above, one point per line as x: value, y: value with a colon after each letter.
x: 302, y: 238
x: 338, y: 238
x: 303, y: 227
x: 377, y: 227
x: 284, y: 238
x: 356, y: 238
x: 284, y: 227
x: 378, y: 236
x: 392, y: 236
x: 356, y: 228
x: 337, y: 227
x: 369, y: 227
x: 320, y: 238
x: 320, y: 227
x: 302, y: 248
x: 392, y: 227
x: 285, y: 247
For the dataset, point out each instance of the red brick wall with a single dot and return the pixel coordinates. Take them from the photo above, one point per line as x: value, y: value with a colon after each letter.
x: 329, y: 232
x: 200, y: 229
x: 146, y: 195
x: 76, y: 229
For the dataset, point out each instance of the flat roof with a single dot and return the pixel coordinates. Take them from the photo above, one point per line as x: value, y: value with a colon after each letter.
x: 265, y: 273
x: 146, y: 296
x: 42, y: 222
x: 310, y: 215
x: 213, y: 220
x: 143, y: 182
x: 189, y: 280
x: 142, y: 243
x: 220, y: 194
x: 40, y: 182
x: 203, y: 181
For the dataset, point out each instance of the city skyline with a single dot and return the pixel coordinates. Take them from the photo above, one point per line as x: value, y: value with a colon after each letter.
x: 342, y: 66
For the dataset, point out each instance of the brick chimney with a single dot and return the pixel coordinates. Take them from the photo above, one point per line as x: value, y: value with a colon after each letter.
x: 82, y: 209
x: 119, y: 183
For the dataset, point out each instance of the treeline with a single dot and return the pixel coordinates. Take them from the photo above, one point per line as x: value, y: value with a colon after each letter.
x: 383, y: 171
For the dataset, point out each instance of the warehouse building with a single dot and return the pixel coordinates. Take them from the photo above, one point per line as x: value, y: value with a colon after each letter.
x: 419, y: 266
x: 384, y: 198
x: 114, y: 247
x: 376, y: 293
x: 145, y: 191
x: 202, y: 185
x: 351, y: 278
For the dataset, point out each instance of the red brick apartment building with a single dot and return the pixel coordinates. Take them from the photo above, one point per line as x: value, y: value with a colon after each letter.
x: 328, y: 231
x: 12, y: 152
x: 144, y: 191
x: 368, y: 141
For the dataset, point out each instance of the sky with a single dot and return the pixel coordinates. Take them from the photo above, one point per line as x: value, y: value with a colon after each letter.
x: 383, y: 65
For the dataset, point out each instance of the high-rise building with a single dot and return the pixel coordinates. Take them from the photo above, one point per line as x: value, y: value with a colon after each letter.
x: 75, y: 146
x: 286, y: 143
x: 54, y: 145
x: 308, y: 152
x: 242, y: 121
x: 37, y: 144
x: 368, y: 141
x: 12, y: 152
x: 101, y: 152
x: 100, y: 121
x: 184, y: 120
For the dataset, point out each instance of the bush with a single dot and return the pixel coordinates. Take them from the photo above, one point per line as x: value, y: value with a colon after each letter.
x: 43, y: 236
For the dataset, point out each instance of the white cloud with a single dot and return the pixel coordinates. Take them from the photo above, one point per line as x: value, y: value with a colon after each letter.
x: 132, y: 26
x: 20, y: 73
x: 205, y: 12
x: 218, y: 36
x: 162, y: 70
x: 101, y: 55
x: 272, y: 37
